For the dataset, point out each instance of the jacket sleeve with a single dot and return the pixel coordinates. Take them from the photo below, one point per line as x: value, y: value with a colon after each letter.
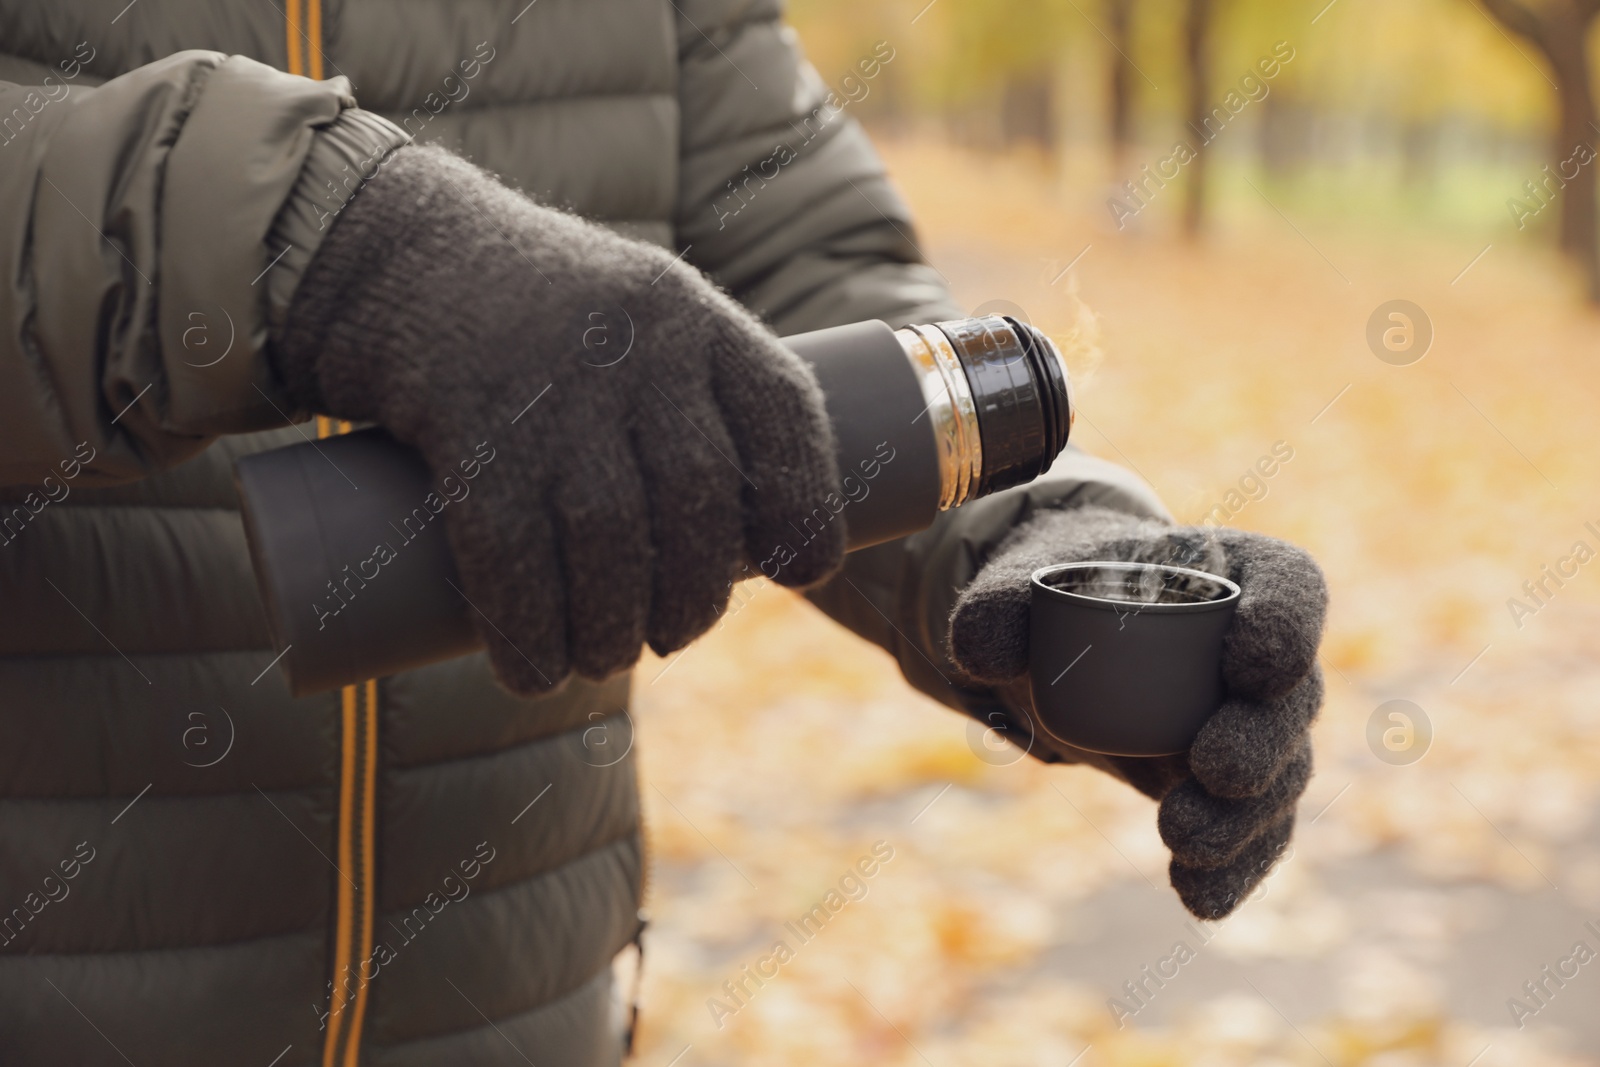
x: 781, y: 198
x: 784, y: 202
x: 153, y: 229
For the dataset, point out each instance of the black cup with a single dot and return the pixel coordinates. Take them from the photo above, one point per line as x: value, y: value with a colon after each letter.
x: 1127, y: 657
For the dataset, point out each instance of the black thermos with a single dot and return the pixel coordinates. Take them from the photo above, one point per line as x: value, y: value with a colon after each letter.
x: 965, y: 408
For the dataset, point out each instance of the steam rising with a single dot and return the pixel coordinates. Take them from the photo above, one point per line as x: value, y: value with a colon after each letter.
x: 1156, y: 582
x: 1079, y: 342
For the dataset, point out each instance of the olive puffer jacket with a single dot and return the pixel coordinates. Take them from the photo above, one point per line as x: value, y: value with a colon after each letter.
x: 195, y: 867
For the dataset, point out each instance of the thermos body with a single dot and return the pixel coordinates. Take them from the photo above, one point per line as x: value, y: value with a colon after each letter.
x: 887, y: 453
x: 356, y: 572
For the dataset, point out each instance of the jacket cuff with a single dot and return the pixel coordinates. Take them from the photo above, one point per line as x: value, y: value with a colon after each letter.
x: 236, y: 162
x: 344, y: 155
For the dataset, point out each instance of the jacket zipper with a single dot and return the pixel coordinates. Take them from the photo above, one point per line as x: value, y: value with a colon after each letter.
x: 362, y: 834
x: 303, y: 37
x: 353, y: 923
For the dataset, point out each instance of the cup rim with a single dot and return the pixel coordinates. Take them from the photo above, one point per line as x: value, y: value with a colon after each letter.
x: 1123, y: 606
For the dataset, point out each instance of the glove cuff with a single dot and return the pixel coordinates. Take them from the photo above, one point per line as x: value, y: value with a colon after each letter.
x: 355, y: 310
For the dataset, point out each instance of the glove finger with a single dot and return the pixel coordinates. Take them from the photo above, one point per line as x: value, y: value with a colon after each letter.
x: 989, y: 625
x: 774, y: 413
x: 1212, y: 893
x: 1273, y: 641
x: 695, y: 511
x: 603, y: 522
x: 504, y: 541
x: 1244, y: 747
x: 1154, y: 776
x: 1210, y: 832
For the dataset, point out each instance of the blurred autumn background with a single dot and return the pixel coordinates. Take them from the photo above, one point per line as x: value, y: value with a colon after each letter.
x: 1442, y: 901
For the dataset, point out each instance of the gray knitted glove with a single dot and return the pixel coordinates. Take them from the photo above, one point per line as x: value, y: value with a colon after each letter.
x: 1227, y: 805
x: 630, y: 479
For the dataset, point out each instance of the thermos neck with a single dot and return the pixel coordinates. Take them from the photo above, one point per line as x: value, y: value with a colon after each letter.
x: 998, y: 397
x: 950, y: 410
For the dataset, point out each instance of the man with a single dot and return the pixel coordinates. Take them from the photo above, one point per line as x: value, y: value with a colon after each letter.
x: 213, y: 246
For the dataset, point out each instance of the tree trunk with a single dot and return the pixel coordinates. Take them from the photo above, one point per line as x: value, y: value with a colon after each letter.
x: 1196, y: 38
x: 1027, y: 111
x: 1419, y: 144
x: 1580, y: 236
x: 1559, y: 30
x: 1121, y: 19
x: 1284, y: 133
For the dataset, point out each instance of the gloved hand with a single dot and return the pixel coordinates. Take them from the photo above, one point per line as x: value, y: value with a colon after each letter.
x: 630, y: 478
x: 1227, y: 805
